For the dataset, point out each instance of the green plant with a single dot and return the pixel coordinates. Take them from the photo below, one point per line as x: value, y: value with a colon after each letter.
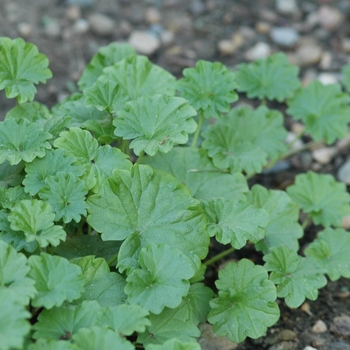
x: 108, y: 207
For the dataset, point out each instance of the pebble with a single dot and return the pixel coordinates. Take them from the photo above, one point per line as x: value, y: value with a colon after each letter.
x: 330, y: 18
x: 197, y: 7
x: 286, y: 7
x: 327, y: 78
x: 324, y: 155
x: 24, y: 29
x: 290, y: 138
x: 226, y: 47
x: 309, y: 348
x: 345, y: 45
x: 101, y: 24
x: 263, y: 27
x: 73, y: 13
x: 339, y: 346
x: 260, y: 50
x: 343, y: 143
x: 210, y: 341
x: 80, y: 3
x: 308, y: 54
x: 125, y: 28
x: 284, y: 36
x: 143, y: 42
x: 81, y: 26
x: 343, y: 173
x: 287, y: 334
x: 319, y: 327
x: 326, y: 60
x: 341, y: 325
x: 152, y: 15
x: 167, y: 37
x: 52, y: 28
x: 346, y: 222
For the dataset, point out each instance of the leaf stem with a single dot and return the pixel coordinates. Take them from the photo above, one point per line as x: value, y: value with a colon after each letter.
x: 306, y: 222
x: 196, y: 135
x: 219, y: 256
x: 112, y: 259
x: 140, y: 157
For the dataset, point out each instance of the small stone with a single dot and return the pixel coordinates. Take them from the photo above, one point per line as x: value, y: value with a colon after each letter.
x: 287, y: 334
x: 309, y: 54
x: 346, y: 222
x: 80, y: 3
x: 247, y: 33
x: 210, y: 341
x: 326, y: 60
x: 286, y: 7
x: 73, y: 13
x: 197, y: 7
x: 268, y: 15
x: 341, y: 325
x: 297, y: 128
x: 339, y: 345
x: 24, y: 29
x: 324, y: 155
x: 309, y: 348
x: 125, y: 28
x: 152, y: 15
x: 319, y: 327
x: 297, y: 144
x: 167, y: 37
x: 260, y: 50
x: 144, y: 43
x: 309, y: 76
x: 263, y: 27
x: 343, y: 143
x: 226, y: 47
x: 81, y: 26
x: 284, y: 36
x: 101, y: 25
x: 327, y: 78
x: 330, y: 18
x: 343, y: 173
x: 52, y: 28
x: 345, y: 45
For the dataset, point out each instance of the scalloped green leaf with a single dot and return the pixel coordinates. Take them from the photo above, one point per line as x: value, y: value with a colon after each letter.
x: 10, y: 196
x: 283, y: 226
x: 345, y: 72
x: 162, y: 279
x: 102, y: 285
x: 331, y: 250
x: 22, y: 140
x: 66, y: 321
x: 245, y: 139
x: 126, y: 319
x: 40, y: 169
x: 100, y: 338
x: 56, y: 280
x: 51, y: 344
x: 155, y: 123
x: 137, y: 76
x: 11, y: 175
x: 65, y: 192
x: 271, y: 78
x: 106, y: 56
x: 246, y: 305
x: 233, y: 222
x: 35, y: 219
x: 148, y: 206
x: 323, y: 198
x: 14, y: 270
x: 21, y: 66
x: 174, y: 344
x: 13, y: 322
x: 209, y: 87
x: 324, y: 109
x: 102, y: 129
x: 193, y: 168
x: 296, y: 277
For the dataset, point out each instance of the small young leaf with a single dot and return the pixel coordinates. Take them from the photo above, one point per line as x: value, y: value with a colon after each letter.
x: 174, y: 344
x: 66, y: 194
x: 66, y: 321
x: 283, y: 227
x: 106, y: 287
x: 35, y: 219
x: 297, y: 278
x: 209, y: 88
x: 13, y: 322
x: 100, y: 338
x: 155, y: 123
x: 234, y: 222
x: 21, y: 66
x: 323, y: 198
x: 126, y: 319
x: 9, y: 197
x: 162, y: 279
x: 324, y: 109
x: 272, y: 78
x: 246, y: 304
x: 40, y: 169
x: 153, y: 206
x: 106, y: 56
x: 193, y: 168
x: 331, y: 250
x: 22, y: 140
x: 56, y: 280
x: 233, y: 143
x: 13, y: 276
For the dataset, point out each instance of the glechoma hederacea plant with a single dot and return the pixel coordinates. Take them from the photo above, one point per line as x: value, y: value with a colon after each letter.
x: 109, y: 201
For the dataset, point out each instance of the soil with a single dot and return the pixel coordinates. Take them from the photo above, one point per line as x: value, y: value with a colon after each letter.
x: 197, y: 26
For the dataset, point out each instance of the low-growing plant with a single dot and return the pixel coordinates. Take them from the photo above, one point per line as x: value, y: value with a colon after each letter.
x: 109, y: 202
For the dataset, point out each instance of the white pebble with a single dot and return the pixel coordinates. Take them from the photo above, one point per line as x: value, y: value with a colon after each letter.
x: 286, y: 7
x: 324, y: 155
x: 319, y: 327
x: 24, y: 29
x: 284, y: 36
x: 81, y: 26
x: 309, y: 348
x: 343, y: 173
x: 143, y: 42
x: 260, y: 50
x: 101, y: 24
x: 330, y: 18
x: 327, y: 78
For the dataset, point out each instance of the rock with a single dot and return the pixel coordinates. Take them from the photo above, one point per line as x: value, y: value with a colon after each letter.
x: 210, y: 341
x: 297, y: 128
x: 286, y: 7
x: 308, y: 54
x: 80, y: 3
x: 346, y: 222
x: 167, y: 37
x: 52, y: 28
x: 297, y: 144
x: 125, y: 28
x: 24, y: 30
x: 226, y: 47
x: 143, y: 42
x: 341, y: 325
x: 260, y: 50
x: 101, y: 24
x: 343, y: 173
x: 73, y: 13
x: 319, y: 327
x: 262, y: 27
x: 81, y: 26
x: 330, y: 18
x: 287, y: 334
x: 309, y: 348
x: 343, y: 143
x: 247, y: 33
x: 284, y: 345
x: 345, y: 45
x: 197, y: 7
x: 284, y: 36
x: 326, y: 60
x: 152, y: 15
x: 327, y: 78
x: 324, y: 155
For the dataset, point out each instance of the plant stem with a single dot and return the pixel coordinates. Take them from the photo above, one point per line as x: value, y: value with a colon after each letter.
x: 112, y: 259
x: 140, y: 157
x: 199, y: 126
x: 306, y: 222
x: 219, y: 256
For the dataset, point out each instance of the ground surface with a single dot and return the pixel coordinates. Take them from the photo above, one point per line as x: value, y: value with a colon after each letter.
x: 224, y: 30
